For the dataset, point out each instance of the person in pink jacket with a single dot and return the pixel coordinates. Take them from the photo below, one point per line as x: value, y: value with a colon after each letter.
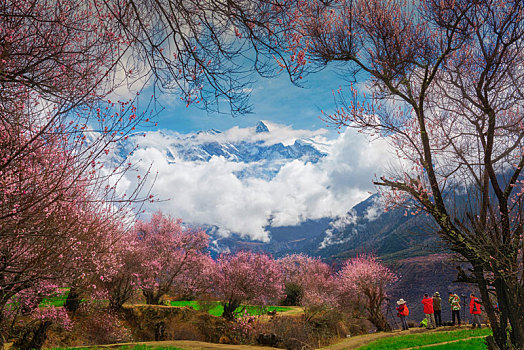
x: 474, y: 310
x: 428, y: 311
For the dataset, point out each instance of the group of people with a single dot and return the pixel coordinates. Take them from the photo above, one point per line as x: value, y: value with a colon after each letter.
x: 433, y: 310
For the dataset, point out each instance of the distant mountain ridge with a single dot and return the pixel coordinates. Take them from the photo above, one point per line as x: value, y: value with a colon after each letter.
x: 243, y: 151
x: 264, y: 159
x: 366, y: 228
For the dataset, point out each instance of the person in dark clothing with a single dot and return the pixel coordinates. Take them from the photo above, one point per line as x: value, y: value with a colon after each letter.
x: 437, y: 309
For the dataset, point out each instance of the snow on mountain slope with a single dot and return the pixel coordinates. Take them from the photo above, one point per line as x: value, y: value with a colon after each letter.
x: 263, y: 156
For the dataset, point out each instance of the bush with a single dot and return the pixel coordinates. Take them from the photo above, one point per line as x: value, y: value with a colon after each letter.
x: 98, y: 325
x: 146, y: 322
x: 320, y: 330
x: 244, y: 329
x: 294, y: 292
x: 286, y: 328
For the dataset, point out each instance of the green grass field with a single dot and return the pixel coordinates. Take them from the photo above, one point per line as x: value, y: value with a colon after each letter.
x: 216, y: 308
x: 56, y: 300
x: 470, y: 344
x: 413, y: 340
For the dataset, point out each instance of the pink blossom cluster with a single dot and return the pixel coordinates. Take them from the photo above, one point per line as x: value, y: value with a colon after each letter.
x: 247, y: 277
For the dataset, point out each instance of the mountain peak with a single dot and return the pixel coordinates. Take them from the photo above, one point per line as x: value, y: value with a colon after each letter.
x: 209, y: 132
x: 261, y: 127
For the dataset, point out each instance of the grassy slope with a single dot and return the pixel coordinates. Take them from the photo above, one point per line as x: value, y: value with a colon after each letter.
x: 217, y: 309
x: 470, y: 344
x: 414, y: 340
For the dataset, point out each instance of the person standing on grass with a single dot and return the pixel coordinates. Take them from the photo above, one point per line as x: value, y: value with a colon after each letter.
x: 428, y: 311
x: 403, y: 312
x: 474, y: 310
x: 454, y: 302
x: 437, y: 308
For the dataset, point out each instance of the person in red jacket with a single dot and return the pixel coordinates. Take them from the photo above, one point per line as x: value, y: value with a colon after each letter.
x: 474, y: 310
x: 428, y: 311
x: 403, y: 312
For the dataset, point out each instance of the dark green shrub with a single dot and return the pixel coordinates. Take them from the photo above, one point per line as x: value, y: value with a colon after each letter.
x: 293, y: 293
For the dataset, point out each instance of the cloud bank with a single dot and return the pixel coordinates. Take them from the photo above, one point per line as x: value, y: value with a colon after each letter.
x: 210, y: 193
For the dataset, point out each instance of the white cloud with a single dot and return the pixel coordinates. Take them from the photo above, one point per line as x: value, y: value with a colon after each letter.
x: 209, y: 192
x: 375, y: 210
x: 337, y: 225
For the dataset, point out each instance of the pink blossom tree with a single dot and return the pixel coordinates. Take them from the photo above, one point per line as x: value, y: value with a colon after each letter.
x: 168, y: 254
x: 53, y: 228
x: 81, y: 50
x: 59, y: 213
x: 197, y: 280
x: 246, y: 277
x: 34, y: 333
x: 309, y: 282
x: 365, y: 279
x: 120, y: 282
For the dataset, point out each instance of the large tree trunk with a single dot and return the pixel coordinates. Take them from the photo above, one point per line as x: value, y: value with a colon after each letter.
x: 34, y: 337
x: 515, y: 296
x: 497, y: 322
x: 73, y: 300
x: 120, y: 293
x: 229, y: 309
x: 379, y: 320
x: 152, y: 297
x: 509, y: 309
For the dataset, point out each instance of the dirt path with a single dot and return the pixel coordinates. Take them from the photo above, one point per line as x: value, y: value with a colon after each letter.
x: 349, y: 343
x: 346, y: 344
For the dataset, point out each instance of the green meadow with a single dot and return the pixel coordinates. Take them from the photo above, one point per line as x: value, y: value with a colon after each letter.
x: 215, y: 308
x: 422, y: 339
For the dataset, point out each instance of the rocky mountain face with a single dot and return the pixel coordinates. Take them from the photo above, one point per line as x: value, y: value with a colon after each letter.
x: 366, y: 228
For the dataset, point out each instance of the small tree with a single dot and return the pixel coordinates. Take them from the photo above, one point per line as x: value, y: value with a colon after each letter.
x: 167, y: 252
x: 365, y: 278
x: 120, y: 281
x: 310, y: 282
x: 246, y: 277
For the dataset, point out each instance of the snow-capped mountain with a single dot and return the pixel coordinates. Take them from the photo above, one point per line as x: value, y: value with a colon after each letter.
x: 261, y: 153
x: 205, y: 144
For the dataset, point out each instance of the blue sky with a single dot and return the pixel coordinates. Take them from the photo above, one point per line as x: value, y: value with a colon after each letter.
x: 276, y: 100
